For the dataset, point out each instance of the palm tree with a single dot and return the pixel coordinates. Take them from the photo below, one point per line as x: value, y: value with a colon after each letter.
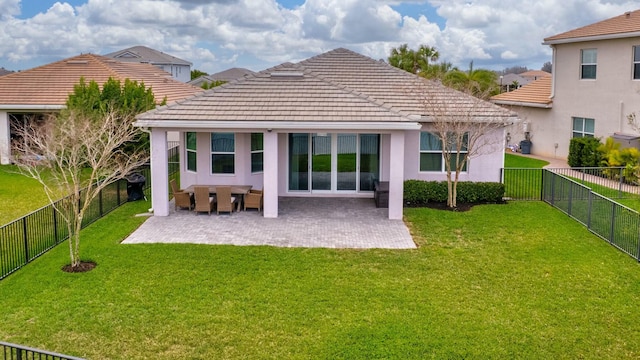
x: 413, y: 61
x: 438, y: 71
x: 480, y: 82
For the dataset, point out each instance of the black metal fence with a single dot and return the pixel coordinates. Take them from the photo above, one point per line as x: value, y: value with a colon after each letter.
x: 24, y: 239
x: 19, y: 352
x: 573, y: 192
x: 526, y: 183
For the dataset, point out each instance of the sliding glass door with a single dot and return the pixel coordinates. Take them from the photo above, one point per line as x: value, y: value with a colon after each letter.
x: 333, y: 163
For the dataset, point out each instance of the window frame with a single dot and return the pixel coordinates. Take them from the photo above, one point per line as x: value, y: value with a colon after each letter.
x: 222, y: 153
x: 443, y: 168
x: 635, y: 62
x: 189, y: 151
x: 257, y: 151
x: 582, y: 133
x: 584, y: 64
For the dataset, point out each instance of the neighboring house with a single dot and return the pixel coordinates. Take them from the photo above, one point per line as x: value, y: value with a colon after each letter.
x: 532, y: 75
x: 510, y: 82
x: 25, y: 93
x: 4, y: 71
x: 226, y: 76
x: 330, y: 125
x: 178, y: 68
x: 594, y: 87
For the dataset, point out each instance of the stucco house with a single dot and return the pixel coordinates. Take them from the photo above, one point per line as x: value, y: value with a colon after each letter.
x: 328, y: 126
x: 594, y: 87
x: 178, y: 68
x: 45, y: 89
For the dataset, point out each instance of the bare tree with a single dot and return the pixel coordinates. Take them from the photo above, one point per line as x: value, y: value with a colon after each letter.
x: 465, y: 127
x: 77, y: 155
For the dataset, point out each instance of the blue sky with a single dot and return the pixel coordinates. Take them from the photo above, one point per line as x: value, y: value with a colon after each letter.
x: 218, y: 34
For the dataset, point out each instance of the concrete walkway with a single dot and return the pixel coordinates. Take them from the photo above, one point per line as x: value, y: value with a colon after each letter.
x: 302, y: 222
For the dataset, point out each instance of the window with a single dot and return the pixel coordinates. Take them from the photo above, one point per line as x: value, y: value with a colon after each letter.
x: 190, y: 140
x: 589, y: 63
x: 583, y: 127
x: 636, y: 62
x: 431, y: 156
x: 223, y: 147
x: 257, y: 152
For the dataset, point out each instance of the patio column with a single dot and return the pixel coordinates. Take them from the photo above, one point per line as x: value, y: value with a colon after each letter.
x: 270, y: 174
x: 5, y: 139
x: 159, y: 173
x: 396, y: 175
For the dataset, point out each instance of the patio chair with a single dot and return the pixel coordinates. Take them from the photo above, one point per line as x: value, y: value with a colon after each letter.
x: 182, y: 199
x: 253, y: 200
x: 226, y: 202
x: 204, y: 202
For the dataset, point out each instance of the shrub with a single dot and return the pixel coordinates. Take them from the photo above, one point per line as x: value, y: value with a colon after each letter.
x: 419, y: 192
x: 583, y: 152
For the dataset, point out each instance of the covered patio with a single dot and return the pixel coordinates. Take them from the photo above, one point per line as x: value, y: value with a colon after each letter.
x: 353, y: 223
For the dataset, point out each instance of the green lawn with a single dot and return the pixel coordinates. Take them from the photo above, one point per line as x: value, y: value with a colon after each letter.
x: 520, y: 280
x: 19, y: 195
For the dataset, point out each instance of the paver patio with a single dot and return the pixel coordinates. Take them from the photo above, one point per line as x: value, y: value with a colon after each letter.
x: 302, y: 222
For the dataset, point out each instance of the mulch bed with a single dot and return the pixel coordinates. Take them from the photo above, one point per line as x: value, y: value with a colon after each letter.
x: 84, y: 266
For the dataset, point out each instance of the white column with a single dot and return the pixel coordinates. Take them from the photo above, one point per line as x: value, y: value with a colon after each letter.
x: 396, y: 175
x: 270, y: 174
x: 5, y: 138
x: 159, y: 173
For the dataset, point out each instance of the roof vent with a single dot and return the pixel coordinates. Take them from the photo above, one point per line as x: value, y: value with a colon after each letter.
x: 287, y: 74
x: 627, y: 14
x: 77, y: 62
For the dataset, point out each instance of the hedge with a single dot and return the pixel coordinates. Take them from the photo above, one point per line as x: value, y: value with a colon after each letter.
x: 420, y: 192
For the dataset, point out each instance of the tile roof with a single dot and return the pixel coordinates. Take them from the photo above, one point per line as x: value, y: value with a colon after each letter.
x: 536, y: 94
x: 339, y: 85
x: 625, y: 25
x: 226, y: 75
x: 146, y: 55
x: 4, y: 71
x: 534, y: 74
x: 50, y: 85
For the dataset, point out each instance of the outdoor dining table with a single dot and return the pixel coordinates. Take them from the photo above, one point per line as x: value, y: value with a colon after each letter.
x: 236, y: 190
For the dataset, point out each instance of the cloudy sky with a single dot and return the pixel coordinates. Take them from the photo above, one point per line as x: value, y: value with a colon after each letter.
x: 218, y: 34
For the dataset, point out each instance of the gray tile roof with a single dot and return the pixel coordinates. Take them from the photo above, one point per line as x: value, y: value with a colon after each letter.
x: 337, y: 86
x: 143, y: 54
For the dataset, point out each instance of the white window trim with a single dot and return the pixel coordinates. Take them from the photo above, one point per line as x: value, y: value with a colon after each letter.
x: 256, y: 152
x: 187, y: 150
x: 222, y: 153
x: 443, y: 166
x: 584, y: 63
x: 634, y: 61
x: 583, y: 132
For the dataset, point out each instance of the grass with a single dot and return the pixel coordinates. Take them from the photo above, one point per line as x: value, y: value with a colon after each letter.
x: 517, y: 161
x: 500, y: 281
x: 19, y: 195
x: 520, y: 182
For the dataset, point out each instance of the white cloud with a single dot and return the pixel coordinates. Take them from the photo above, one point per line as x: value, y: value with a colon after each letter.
x: 509, y: 55
x: 214, y: 34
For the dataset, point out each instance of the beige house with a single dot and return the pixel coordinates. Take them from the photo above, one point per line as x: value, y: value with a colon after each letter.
x: 45, y: 89
x: 594, y: 87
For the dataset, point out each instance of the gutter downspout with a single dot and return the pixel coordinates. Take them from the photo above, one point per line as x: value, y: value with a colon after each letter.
x: 553, y: 72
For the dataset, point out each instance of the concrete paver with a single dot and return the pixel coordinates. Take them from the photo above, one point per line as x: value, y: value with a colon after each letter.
x: 302, y: 222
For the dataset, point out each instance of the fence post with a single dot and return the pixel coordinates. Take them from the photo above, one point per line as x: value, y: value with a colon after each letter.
x: 620, y: 183
x: 26, y: 240
x: 55, y: 224
x: 100, y: 204
x: 613, y: 219
x: 570, y: 198
x: 590, y: 207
